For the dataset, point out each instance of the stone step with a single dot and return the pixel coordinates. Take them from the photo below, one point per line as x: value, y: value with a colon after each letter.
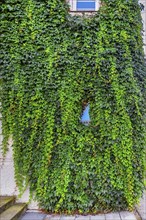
x: 14, y: 212
x: 6, y: 202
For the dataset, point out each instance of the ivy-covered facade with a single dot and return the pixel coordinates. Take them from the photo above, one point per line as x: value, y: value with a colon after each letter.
x: 53, y: 65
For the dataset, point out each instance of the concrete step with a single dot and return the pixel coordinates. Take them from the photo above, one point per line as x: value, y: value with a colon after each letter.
x: 6, y: 202
x: 14, y: 212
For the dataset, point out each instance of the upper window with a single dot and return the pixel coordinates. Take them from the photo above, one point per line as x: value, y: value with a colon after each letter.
x: 84, y: 5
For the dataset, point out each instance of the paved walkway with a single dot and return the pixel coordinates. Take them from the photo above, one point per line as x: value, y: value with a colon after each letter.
x: 110, y: 216
x: 141, y: 209
x: 139, y: 215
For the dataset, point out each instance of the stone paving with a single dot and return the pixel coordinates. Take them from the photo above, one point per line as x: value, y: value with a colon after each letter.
x: 33, y: 216
x: 110, y: 216
x: 125, y: 215
x: 141, y: 208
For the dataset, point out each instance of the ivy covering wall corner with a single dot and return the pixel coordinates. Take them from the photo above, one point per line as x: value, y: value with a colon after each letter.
x: 52, y: 65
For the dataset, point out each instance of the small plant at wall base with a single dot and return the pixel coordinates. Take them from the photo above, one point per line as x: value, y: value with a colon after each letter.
x: 51, y: 63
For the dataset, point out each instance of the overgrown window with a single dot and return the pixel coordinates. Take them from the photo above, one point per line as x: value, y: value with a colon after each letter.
x: 84, y: 5
x: 85, y: 117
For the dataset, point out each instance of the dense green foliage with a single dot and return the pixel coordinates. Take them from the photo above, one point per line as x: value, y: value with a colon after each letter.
x: 53, y: 63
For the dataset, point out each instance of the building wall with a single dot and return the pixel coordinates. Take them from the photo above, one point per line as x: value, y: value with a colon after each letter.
x: 144, y: 23
x: 7, y: 182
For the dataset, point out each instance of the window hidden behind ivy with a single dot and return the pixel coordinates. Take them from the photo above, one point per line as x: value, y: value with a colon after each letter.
x: 85, y: 117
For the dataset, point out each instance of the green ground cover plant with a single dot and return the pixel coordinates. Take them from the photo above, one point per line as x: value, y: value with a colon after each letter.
x: 52, y: 64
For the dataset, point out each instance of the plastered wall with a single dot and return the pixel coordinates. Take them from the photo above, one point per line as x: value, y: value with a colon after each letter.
x: 144, y: 23
x: 7, y: 180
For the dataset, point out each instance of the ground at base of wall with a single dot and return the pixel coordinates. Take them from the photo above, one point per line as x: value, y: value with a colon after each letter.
x: 110, y: 216
x: 141, y: 208
x: 139, y: 214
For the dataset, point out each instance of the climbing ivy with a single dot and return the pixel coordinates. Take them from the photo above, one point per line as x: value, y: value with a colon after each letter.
x: 53, y: 64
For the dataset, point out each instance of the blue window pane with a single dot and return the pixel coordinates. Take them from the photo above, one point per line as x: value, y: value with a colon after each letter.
x: 85, y: 118
x: 83, y: 5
